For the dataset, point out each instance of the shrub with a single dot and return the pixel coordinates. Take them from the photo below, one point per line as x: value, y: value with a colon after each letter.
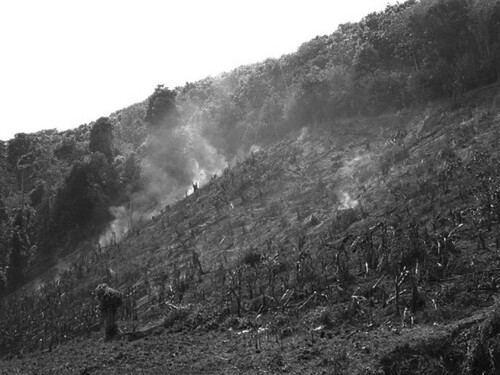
x: 109, y: 300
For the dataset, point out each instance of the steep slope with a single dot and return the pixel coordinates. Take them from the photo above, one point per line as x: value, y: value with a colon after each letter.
x: 63, y: 185
x: 355, y: 247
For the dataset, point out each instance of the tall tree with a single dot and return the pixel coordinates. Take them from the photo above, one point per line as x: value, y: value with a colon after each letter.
x: 101, y: 138
x: 17, y: 147
x: 162, y: 110
x: 19, y: 254
x: 84, y: 199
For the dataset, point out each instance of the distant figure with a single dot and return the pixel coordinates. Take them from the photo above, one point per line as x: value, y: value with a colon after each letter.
x: 408, y: 318
x: 195, y: 188
x: 113, y: 238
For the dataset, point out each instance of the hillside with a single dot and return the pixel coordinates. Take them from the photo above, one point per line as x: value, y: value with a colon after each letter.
x: 59, y: 190
x: 335, y: 210
x: 368, y: 247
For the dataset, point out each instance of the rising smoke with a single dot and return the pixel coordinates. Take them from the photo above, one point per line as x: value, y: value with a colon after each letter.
x: 347, y: 202
x: 173, y: 159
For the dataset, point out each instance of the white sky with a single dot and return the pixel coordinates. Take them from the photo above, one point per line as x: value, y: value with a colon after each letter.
x: 64, y: 63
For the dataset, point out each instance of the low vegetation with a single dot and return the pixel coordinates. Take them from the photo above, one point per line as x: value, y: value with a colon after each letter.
x: 268, y: 211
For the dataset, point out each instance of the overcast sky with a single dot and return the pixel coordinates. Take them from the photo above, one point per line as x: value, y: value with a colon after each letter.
x: 65, y: 63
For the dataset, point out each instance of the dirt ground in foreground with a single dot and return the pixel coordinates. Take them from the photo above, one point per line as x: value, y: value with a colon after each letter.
x: 342, y: 350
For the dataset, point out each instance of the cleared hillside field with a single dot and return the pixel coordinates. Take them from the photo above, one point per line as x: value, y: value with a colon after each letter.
x: 371, y: 246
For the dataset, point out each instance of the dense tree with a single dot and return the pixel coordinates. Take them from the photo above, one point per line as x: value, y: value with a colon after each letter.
x: 162, y: 109
x: 3, y: 153
x: 85, y: 197
x: 101, y: 138
x: 37, y: 194
x: 21, y: 253
x: 66, y: 150
x: 132, y: 170
x: 17, y: 147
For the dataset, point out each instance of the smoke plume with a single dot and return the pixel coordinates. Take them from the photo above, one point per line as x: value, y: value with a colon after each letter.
x: 346, y: 202
x: 172, y: 161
